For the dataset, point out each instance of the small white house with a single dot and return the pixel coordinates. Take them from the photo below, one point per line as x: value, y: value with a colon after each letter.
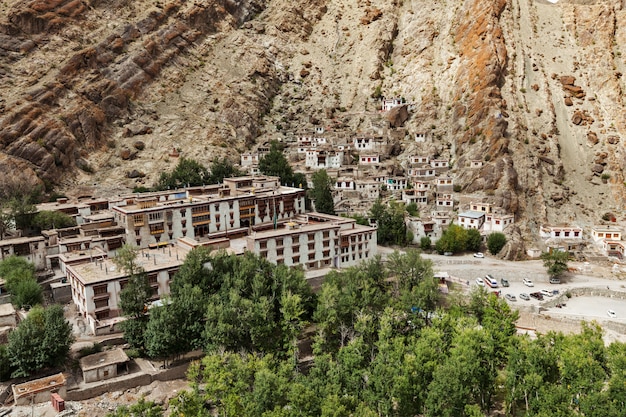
x: 439, y: 164
x: 483, y: 207
x: 475, y: 163
x: 425, y: 173
x: 248, y: 159
x: 344, y: 184
x: 368, y: 189
x: 561, y: 232
x: 420, y: 137
x: 471, y: 219
x: 396, y: 183
x: 369, y: 159
x: 323, y: 159
x: 419, y: 197
x: 599, y: 233
x: 390, y: 103
x: 498, y: 222
x: 419, y: 159
x: 444, y: 202
x: 444, y: 184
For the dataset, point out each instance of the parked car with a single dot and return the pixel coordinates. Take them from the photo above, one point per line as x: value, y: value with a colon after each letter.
x: 480, y: 282
x: 528, y: 282
x: 510, y: 297
x: 546, y: 293
x: 536, y: 295
x: 555, y: 280
x: 448, y: 254
x: 479, y: 255
x: 611, y: 314
x: 504, y: 282
x: 524, y: 296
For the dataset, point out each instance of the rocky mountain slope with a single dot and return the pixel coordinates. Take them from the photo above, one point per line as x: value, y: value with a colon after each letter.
x: 92, y: 90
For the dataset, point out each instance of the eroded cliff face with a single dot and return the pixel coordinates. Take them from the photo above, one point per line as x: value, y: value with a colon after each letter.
x: 532, y: 89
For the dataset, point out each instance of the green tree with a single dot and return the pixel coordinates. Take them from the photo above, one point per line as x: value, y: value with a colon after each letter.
x: 275, y: 163
x: 5, y: 363
x: 220, y: 169
x: 20, y: 281
x: 453, y: 239
x: 134, y: 297
x: 495, y: 242
x: 425, y: 243
x: 321, y: 193
x: 45, y: 220
x: 245, y: 313
x: 412, y: 209
x: 187, y: 172
x: 390, y: 222
x: 42, y: 339
x: 555, y: 262
x: 474, y: 240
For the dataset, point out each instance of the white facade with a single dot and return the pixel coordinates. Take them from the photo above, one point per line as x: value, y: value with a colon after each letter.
x: 482, y: 207
x: 97, y: 283
x: 599, y: 233
x: 369, y: 159
x: 390, y: 103
x: 444, y: 184
x: 471, y: 219
x: 344, y: 184
x: 323, y: 159
x: 419, y: 197
x: 316, y: 241
x: 369, y: 190
x: 396, y: 183
x: 420, y: 137
x: 419, y: 159
x: 498, y: 222
x: 249, y: 159
x: 561, y: 232
x: 475, y: 163
x: 206, y: 212
x: 439, y: 164
x: 444, y: 202
x: 423, y: 173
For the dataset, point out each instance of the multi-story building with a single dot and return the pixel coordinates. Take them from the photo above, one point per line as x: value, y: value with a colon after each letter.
x: 315, y: 241
x: 323, y: 159
x: 97, y: 281
x: 413, y: 195
x: 228, y: 209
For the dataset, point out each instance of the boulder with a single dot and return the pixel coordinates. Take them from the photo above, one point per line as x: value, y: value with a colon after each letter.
x: 592, y: 137
x: 597, y: 169
x: 567, y: 80
x: 613, y: 140
x: 398, y: 115
x: 139, y: 145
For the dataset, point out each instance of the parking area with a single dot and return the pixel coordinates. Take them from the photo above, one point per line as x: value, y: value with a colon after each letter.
x: 539, y: 314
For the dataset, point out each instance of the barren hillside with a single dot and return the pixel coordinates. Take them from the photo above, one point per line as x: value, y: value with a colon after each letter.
x: 530, y: 87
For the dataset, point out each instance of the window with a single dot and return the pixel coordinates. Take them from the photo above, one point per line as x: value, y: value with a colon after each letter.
x: 279, y: 242
x: 100, y: 289
x: 311, y: 246
x: 102, y: 315
x: 152, y: 279
x: 557, y: 234
x: 295, y: 249
x: 296, y: 260
x: 263, y: 244
x: 280, y: 252
x: 123, y: 283
x: 102, y: 303
x: 155, y: 216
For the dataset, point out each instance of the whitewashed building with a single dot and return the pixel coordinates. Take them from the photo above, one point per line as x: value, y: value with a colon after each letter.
x: 471, y: 219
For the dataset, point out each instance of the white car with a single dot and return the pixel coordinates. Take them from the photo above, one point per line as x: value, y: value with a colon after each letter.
x: 479, y: 255
x: 528, y: 282
x: 611, y: 314
x: 480, y: 282
x: 546, y: 293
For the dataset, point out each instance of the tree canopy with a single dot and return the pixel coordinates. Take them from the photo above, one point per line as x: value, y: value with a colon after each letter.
x: 495, y: 242
x: 188, y: 172
x: 42, y: 339
x: 321, y: 193
x: 52, y: 220
x: 389, y: 219
x: 555, y: 262
x: 275, y: 163
x: 20, y: 281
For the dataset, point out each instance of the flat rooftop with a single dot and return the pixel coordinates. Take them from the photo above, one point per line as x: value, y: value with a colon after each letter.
x: 150, y: 260
x: 98, y: 360
x: 38, y: 385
